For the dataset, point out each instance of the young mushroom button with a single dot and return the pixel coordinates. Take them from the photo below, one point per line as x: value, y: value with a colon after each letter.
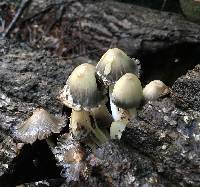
x: 83, y: 92
x: 154, y: 90
x: 127, y: 96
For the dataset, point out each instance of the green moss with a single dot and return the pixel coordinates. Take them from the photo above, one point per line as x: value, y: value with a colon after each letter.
x: 191, y: 9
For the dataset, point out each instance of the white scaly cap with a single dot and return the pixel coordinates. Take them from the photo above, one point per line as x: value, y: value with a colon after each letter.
x: 154, y: 90
x: 83, y: 90
x: 39, y: 126
x: 114, y: 64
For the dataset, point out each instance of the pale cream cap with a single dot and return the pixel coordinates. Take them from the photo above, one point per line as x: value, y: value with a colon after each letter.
x: 127, y: 92
x: 83, y: 90
x: 39, y: 126
x: 154, y: 90
x: 114, y: 64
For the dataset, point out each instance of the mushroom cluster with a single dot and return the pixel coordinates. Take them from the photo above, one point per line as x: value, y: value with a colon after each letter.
x: 86, y: 92
x: 116, y: 75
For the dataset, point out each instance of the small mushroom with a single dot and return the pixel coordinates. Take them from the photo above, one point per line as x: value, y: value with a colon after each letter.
x: 83, y: 92
x: 126, y: 97
x: 39, y: 126
x: 154, y: 90
x: 113, y: 65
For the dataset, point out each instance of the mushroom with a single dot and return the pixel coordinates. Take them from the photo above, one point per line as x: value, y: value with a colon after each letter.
x: 39, y: 126
x: 114, y: 64
x: 83, y: 92
x: 154, y: 90
x: 126, y: 97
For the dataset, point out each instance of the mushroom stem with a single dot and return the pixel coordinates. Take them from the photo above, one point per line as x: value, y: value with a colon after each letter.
x: 102, y: 116
x: 97, y: 131
x: 124, y: 114
x: 116, y: 129
x: 81, y: 126
x: 80, y: 123
x: 113, y: 107
x: 99, y: 134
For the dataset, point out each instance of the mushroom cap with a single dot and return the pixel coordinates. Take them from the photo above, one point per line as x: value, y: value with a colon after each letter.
x: 114, y: 64
x: 127, y: 92
x: 83, y: 90
x: 39, y: 126
x: 154, y: 90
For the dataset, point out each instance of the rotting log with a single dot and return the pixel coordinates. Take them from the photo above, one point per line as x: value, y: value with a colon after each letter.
x: 167, y: 131
x: 160, y: 147
x: 187, y: 90
x: 135, y: 29
x: 31, y: 79
x: 104, y: 24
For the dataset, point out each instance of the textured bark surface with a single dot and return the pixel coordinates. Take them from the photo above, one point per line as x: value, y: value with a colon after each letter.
x: 160, y: 147
x: 170, y: 135
x: 29, y: 79
x: 187, y: 90
x: 104, y: 24
x: 133, y: 28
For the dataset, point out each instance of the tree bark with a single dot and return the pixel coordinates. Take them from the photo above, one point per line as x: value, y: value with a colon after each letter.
x: 101, y: 25
x: 168, y: 134
x: 165, y: 137
x: 132, y: 28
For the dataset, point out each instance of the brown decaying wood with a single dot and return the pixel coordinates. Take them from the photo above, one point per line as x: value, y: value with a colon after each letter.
x: 135, y: 29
